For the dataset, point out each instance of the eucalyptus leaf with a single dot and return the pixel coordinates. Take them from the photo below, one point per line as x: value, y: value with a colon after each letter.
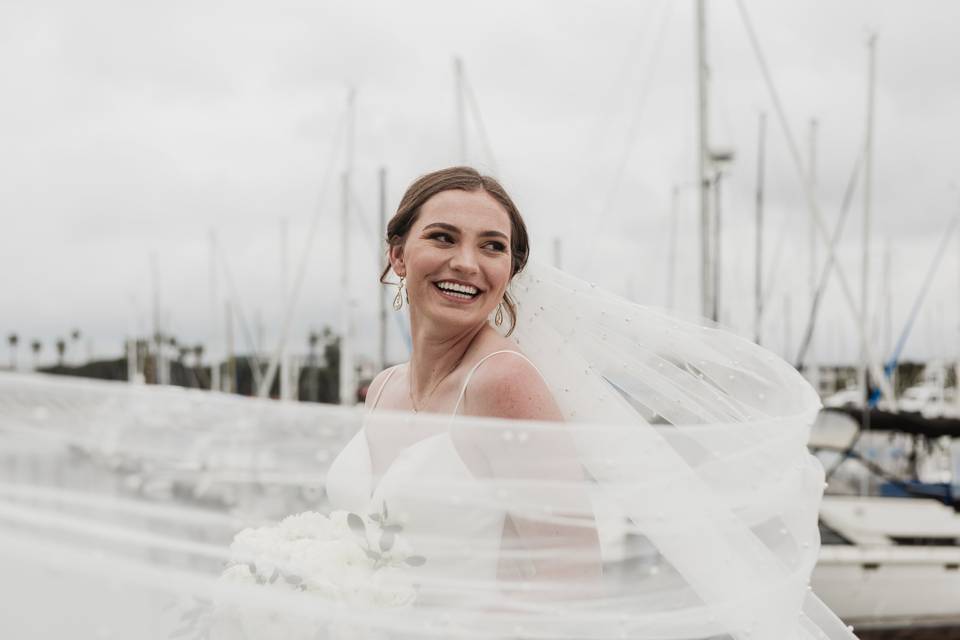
x: 274, y: 575
x: 375, y: 517
x: 416, y: 561
x: 373, y: 555
x: 393, y: 528
x: 357, y: 525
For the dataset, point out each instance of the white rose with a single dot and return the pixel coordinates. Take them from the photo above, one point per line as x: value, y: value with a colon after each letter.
x: 331, y: 562
x: 263, y: 547
x: 308, y: 524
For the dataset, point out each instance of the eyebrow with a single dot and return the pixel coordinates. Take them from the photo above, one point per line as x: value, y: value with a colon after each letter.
x: 449, y: 227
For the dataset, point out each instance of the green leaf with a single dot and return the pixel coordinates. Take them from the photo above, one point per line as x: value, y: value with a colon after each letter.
x: 357, y: 525
x: 373, y: 555
x: 385, y: 513
x: 274, y: 575
x: 375, y: 517
x: 386, y: 540
x: 416, y: 561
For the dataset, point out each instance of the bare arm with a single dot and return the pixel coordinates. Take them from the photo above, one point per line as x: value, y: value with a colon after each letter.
x: 542, y: 483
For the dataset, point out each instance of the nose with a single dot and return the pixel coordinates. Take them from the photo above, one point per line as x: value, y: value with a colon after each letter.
x: 464, y: 260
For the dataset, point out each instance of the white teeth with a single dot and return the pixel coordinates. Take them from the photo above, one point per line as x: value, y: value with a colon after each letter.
x: 459, y: 288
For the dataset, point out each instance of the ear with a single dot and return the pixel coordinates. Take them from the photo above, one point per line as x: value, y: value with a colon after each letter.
x: 395, y: 256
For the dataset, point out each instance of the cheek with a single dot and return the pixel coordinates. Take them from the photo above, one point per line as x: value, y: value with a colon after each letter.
x: 503, y: 274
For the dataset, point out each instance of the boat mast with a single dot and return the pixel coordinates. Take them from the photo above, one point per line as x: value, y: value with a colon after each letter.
x: 706, y: 294
x: 347, y: 388
x: 381, y: 263
x: 867, y: 204
x: 758, y: 264
x: 461, y: 114
x: 672, y: 259
x: 286, y: 388
x: 813, y: 366
x: 161, y: 374
x: 214, y: 316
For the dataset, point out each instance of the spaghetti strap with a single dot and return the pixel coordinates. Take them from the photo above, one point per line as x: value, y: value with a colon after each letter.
x: 463, y: 389
x: 383, y: 386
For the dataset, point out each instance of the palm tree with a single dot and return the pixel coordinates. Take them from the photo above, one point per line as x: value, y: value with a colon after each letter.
x: 61, y: 349
x: 74, y: 345
x: 36, y: 346
x: 13, y: 339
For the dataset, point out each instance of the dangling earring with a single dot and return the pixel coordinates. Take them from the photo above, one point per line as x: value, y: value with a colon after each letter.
x: 498, y: 319
x: 398, y: 300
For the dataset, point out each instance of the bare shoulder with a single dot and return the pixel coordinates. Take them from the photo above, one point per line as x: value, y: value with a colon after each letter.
x: 376, y: 386
x: 507, y: 385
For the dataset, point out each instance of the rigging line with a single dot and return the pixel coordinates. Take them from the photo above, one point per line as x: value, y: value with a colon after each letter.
x: 828, y: 266
x: 632, y: 130
x: 918, y: 302
x: 271, y: 373
x: 775, y: 267
x: 478, y: 119
x: 238, y: 308
x: 875, y: 370
x: 825, y: 273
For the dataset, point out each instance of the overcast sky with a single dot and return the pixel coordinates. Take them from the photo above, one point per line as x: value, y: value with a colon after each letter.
x: 135, y: 129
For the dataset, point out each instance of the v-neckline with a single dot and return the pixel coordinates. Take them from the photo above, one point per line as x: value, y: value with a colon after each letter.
x: 374, y: 486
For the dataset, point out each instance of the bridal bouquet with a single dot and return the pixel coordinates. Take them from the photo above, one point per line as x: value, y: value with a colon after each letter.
x: 349, y: 560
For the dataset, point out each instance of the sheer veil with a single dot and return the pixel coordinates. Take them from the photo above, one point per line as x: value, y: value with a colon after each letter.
x: 702, y: 449
x: 683, y: 450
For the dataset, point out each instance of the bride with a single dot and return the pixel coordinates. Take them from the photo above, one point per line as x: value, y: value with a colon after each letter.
x: 456, y: 242
x: 573, y: 465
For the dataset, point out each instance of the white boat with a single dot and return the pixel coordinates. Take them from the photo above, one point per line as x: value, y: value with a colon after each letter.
x: 886, y: 563
x: 889, y: 562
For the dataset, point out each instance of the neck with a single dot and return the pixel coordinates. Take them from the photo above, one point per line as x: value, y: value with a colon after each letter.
x: 436, y: 354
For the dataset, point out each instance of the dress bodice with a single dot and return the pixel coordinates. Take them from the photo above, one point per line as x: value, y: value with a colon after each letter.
x: 447, y: 514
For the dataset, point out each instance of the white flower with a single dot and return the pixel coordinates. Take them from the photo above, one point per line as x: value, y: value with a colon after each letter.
x: 264, y: 547
x: 308, y: 524
x: 328, y: 557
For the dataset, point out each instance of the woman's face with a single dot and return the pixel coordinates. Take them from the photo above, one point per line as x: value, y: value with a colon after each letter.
x: 456, y: 258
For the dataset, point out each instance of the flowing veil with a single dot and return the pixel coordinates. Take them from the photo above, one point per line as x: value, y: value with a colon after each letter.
x: 166, y: 513
x: 708, y: 459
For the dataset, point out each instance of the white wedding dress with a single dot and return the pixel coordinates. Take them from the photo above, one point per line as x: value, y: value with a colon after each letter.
x: 431, y: 492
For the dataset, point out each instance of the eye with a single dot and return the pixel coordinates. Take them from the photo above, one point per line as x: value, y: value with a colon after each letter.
x: 441, y: 236
x: 495, y: 245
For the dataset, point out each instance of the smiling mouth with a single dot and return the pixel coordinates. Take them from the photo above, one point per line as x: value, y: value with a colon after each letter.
x: 464, y: 293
